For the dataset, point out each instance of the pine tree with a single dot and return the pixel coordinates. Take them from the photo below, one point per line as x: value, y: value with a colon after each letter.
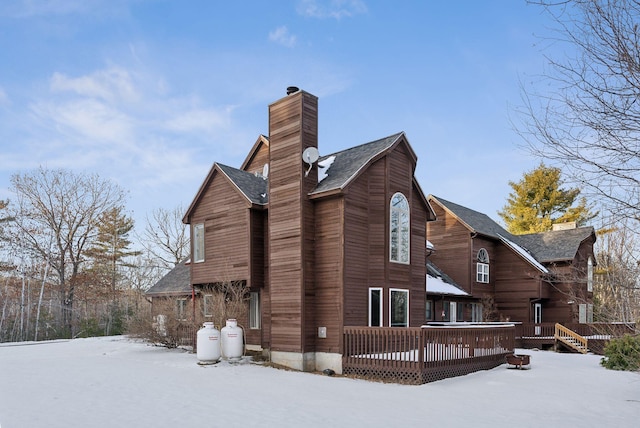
x: 538, y: 201
x: 109, y: 252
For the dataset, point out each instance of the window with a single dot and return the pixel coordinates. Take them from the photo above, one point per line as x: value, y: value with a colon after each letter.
x: 399, y: 229
x: 590, y: 274
x: 375, y: 307
x: 254, y: 310
x: 459, y: 312
x: 198, y: 242
x: 585, y: 313
x: 452, y: 311
x: 537, y: 313
x: 476, y: 312
x: 181, y: 309
x: 482, y: 273
x: 207, y: 303
x: 428, y: 310
x: 398, y: 308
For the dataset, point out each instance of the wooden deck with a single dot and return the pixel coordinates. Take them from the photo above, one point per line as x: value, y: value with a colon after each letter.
x: 530, y: 335
x: 426, y: 354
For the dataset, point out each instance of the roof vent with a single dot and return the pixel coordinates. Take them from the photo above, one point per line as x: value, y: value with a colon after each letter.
x: 292, y: 89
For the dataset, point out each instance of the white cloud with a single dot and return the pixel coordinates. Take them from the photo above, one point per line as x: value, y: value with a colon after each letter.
x: 87, y: 120
x: 336, y: 9
x: 282, y: 36
x: 111, y: 84
x: 207, y: 120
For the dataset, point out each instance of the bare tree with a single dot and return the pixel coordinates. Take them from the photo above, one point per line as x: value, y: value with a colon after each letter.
x: 165, y: 237
x: 62, y: 207
x: 584, y: 112
x: 617, y: 286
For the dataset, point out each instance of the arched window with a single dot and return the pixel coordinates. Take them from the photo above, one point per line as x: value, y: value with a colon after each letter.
x: 482, y: 272
x: 399, y: 229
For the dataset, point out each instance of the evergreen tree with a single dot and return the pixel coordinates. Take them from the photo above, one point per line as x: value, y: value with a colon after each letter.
x: 109, y: 252
x: 538, y: 201
x: 111, y: 245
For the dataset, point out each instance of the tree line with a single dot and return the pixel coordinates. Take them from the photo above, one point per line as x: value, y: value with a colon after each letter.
x: 68, y: 266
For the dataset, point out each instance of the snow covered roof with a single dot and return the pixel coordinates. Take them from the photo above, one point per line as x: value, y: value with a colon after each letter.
x: 439, y: 282
x: 436, y: 285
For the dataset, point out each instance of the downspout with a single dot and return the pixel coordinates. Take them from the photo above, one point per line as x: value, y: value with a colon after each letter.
x: 193, y: 301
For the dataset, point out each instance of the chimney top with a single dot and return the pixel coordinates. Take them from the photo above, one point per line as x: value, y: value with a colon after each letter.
x: 292, y: 89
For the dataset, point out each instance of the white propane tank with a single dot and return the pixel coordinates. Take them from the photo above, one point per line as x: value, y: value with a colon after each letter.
x: 208, y: 344
x: 232, y: 342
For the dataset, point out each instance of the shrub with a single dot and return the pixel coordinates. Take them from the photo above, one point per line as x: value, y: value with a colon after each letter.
x: 622, y: 353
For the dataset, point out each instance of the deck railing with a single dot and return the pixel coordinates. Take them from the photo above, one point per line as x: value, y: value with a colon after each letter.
x: 530, y: 335
x: 425, y: 354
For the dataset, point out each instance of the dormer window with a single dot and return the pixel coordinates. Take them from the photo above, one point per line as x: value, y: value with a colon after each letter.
x: 482, y: 271
x: 399, y: 229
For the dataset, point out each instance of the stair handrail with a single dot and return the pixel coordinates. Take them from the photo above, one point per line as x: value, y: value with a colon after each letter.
x: 562, y: 332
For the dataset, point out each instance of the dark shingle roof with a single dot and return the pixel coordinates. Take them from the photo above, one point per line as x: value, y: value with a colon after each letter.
x: 556, y: 245
x: 480, y: 223
x: 348, y: 162
x: 254, y: 187
x: 545, y: 247
x: 176, y: 282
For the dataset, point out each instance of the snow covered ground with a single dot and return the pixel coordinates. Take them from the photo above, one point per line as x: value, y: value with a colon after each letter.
x: 116, y: 382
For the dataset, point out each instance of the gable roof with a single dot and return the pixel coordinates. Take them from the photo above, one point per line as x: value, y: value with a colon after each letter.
x: 261, y: 141
x: 176, y: 282
x: 473, y: 220
x: 348, y: 163
x: 544, y: 247
x: 557, y: 245
x: 253, y: 187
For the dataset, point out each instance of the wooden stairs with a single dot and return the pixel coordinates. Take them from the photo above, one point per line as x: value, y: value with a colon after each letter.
x: 570, y: 339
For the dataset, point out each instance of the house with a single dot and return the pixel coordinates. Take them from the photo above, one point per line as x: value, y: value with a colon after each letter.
x: 174, y: 286
x: 535, y: 278
x: 320, y: 243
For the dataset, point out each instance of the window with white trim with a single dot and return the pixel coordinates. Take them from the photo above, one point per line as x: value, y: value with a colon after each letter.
x: 590, y: 274
x: 537, y: 313
x: 482, y: 271
x: 398, y: 308
x: 254, y: 310
x: 198, y: 242
x: 375, y: 307
x: 399, y: 229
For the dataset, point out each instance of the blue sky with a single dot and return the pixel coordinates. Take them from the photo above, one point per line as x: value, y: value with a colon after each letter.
x: 149, y: 93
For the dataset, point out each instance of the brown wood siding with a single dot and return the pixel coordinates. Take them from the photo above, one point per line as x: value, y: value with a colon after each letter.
x: 257, y: 270
x: 480, y: 289
x: 366, y: 241
x: 329, y: 260
x: 517, y: 285
x: 257, y: 163
x: 418, y: 259
x: 291, y: 130
x: 452, y: 243
x: 225, y: 215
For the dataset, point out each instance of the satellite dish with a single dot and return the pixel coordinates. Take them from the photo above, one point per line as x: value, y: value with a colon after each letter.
x: 310, y: 155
